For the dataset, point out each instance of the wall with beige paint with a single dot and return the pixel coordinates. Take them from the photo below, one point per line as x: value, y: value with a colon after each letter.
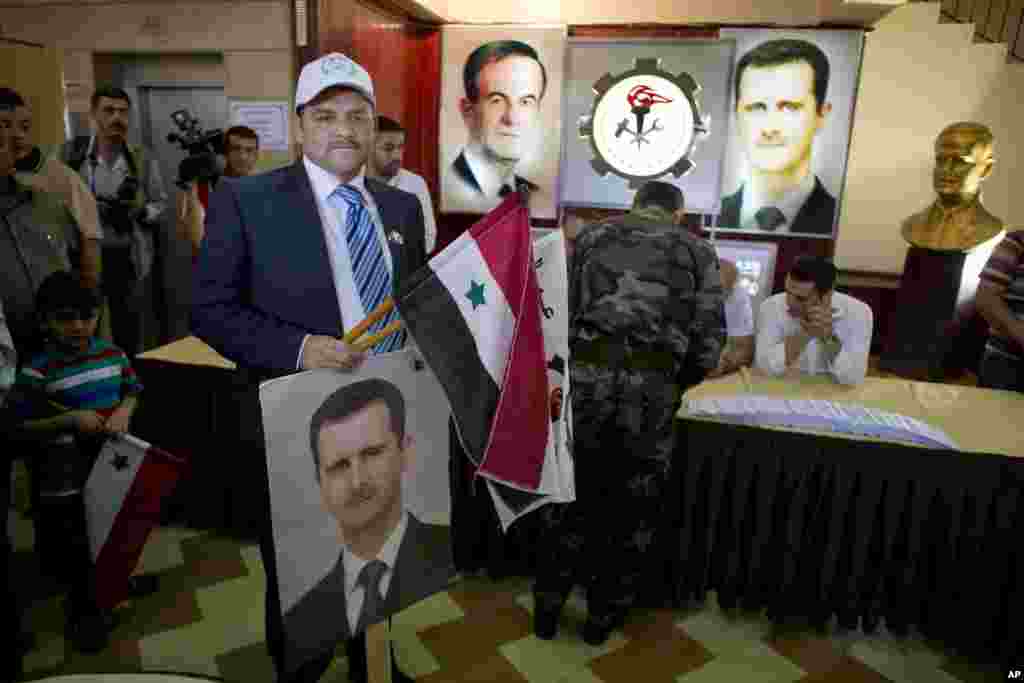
x: 246, y: 45
x: 918, y: 76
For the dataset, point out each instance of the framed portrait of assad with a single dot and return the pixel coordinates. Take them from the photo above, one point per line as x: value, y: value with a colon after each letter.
x: 791, y: 103
x: 358, y: 471
x: 501, y: 116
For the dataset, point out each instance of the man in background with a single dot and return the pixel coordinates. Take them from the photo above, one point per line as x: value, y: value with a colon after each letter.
x: 1001, y: 302
x: 812, y: 329
x: 45, y: 173
x: 781, y: 88
x: 125, y: 179
x: 241, y: 152
x: 739, y: 322
x: 386, y: 166
x: 504, y: 83
x: 38, y: 235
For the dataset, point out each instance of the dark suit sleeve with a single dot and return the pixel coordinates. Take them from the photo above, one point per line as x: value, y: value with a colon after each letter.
x: 222, y: 314
x: 418, y: 253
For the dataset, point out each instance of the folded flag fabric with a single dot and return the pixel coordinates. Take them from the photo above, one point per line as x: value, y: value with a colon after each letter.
x: 123, y: 495
x: 475, y: 313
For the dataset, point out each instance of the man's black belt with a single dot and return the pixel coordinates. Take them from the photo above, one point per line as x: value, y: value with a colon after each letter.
x: 615, y: 354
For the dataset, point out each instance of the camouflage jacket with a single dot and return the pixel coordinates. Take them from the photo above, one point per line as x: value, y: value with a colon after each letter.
x: 645, y: 281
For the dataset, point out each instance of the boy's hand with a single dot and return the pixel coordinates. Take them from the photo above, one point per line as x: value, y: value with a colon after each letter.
x: 87, y: 421
x: 118, y: 421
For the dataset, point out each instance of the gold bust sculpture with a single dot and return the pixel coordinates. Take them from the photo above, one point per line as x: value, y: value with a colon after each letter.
x: 957, y: 221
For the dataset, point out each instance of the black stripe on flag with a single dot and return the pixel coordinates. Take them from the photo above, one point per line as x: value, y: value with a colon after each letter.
x: 433, y: 319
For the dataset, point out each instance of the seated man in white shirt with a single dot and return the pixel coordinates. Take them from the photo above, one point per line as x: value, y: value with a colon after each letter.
x: 812, y: 329
x: 739, y: 322
x: 385, y: 164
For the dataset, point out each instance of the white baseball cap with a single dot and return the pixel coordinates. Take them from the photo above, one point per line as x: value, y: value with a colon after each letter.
x: 332, y: 70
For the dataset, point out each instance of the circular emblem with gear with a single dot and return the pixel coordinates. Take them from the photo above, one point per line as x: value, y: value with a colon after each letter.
x: 645, y: 123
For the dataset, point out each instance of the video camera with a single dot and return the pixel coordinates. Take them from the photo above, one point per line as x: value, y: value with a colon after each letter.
x: 201, y: 147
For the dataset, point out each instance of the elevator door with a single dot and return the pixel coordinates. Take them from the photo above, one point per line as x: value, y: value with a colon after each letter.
x: 210, y: 106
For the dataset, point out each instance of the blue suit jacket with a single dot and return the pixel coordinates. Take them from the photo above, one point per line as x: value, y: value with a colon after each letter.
x: 263, y: 278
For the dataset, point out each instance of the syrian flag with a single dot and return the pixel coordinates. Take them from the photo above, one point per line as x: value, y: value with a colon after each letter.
x: 123, y: 496
x: 474, y: 312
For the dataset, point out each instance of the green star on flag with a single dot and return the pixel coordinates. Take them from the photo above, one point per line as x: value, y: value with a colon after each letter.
x: 476, y: 294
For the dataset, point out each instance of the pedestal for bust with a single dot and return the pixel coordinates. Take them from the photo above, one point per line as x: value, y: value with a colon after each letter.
x: 935, y: 331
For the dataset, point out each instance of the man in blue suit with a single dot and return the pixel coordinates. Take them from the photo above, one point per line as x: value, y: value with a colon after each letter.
x: 294, y: 257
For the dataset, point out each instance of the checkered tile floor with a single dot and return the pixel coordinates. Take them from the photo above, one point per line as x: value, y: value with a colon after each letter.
x: 207, y: 618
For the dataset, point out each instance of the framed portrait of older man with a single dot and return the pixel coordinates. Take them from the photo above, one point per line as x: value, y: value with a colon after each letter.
x: 501, y: 116
x: 791, y: 106
x: 358, y: 471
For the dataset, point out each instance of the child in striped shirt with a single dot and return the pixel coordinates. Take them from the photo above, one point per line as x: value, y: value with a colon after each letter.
x: 92, y: 384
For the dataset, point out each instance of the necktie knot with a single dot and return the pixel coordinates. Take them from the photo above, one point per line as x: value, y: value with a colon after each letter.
x: 349, y: 194
x: 370, y: 576
x: 373, y: 601
x: 769, y: 217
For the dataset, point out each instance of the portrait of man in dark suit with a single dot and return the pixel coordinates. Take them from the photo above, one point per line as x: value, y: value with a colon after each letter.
x: 781, y: 89
x: 504, y: 83
x: 388, y: 558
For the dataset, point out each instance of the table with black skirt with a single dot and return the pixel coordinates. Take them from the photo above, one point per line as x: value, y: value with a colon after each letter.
x: 811, y: 526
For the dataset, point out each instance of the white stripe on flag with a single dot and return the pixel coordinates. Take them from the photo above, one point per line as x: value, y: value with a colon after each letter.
x: 492, y: 325
x: 90, y: 376
x: 109, y: 483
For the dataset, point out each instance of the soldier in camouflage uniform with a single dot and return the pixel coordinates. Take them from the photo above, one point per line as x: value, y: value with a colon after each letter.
x: 646, y: 323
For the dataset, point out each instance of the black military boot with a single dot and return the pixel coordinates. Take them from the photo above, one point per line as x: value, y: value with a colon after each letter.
x: 547, y: 610
x: 600, y: 624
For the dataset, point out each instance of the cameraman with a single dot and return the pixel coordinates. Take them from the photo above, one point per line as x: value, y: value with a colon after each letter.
x: 130, y: 195
x: 241, y: 151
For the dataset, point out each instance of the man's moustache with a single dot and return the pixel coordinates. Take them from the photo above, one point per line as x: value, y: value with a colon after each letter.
x: 361, y: 496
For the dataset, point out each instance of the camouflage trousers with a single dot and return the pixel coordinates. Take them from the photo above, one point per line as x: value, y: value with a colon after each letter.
x: 623, y: 438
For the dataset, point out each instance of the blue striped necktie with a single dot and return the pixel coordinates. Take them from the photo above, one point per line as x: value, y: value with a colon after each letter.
x: 369, y: 269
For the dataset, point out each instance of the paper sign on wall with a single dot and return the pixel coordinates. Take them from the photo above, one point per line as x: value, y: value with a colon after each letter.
x: 268, y: 119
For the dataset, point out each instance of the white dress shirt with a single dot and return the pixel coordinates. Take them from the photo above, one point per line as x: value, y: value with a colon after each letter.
x: 414, y: 184
x: 739, y: 313
x: 355, y: 593
x: 790, y: 204
x: 349, y: 303
x: 852, y: 325
x: 489, y: 176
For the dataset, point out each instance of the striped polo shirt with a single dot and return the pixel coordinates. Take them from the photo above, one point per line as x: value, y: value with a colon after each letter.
x: 1004, y: 272
x: 98, y: 378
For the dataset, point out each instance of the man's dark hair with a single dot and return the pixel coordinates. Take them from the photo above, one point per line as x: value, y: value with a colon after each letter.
x: 61, y: 290
x: 10, y: 99
x: 495, y: 52
x: 787, y: 51
x: 241, y: 132
x: 111, y: 92
x: 388, y: 125
x: 816, y: 269
x: 656, y: 193
x: 348, y: 401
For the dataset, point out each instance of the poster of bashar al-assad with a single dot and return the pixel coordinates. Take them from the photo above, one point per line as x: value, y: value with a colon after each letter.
x: 792, y: 102
x: 632, y: 112
x: 501, y: 116
x: 358, y: 470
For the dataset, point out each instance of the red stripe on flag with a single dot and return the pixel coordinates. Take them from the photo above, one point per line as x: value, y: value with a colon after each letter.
x: 519, y: 431
x: 497, y: 238
x: 138, y: 514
